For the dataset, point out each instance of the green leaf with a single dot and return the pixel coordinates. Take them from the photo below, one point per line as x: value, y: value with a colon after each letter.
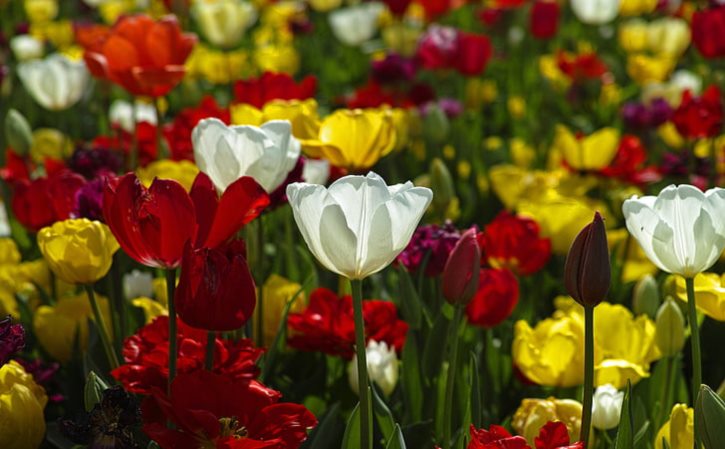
x: 411, y: 381
x: 382, y: 413
x: 93, y: 390
x: 625, y: 438
x: 475, y: 391
x: 435, y: 348
x: 411, y: 306
x: 326, y: 434
x: 395, y: 440
x: 351, y: 438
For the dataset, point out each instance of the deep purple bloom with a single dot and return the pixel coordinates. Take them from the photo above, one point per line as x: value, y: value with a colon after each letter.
x: 438, y: 241
x: 91, y: 163
x: 12, y: 339
x: 89, y: 200
x: 635, y: 115
x: 660, y: 112
x: 393, y: 69
x: 451, y: 107
x: 44, y: 375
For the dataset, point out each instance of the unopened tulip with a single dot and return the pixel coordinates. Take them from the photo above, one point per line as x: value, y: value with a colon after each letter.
x: 358, y: 225
x: 55, y: 82
x: 460, y: 275
x: 226, y: 153
x: 17, y: 132
x: 682, y: 230
x: 587, y: 272
x: 607, y: 405
x: 709, y: 418
x: 224, y: 22
x: 679, y: 431
x: 669, y: 329
x: 383, y: 367
x: 646, y: 296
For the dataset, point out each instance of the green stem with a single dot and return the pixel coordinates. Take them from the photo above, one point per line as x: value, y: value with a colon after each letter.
x: 170, y: 288
x: 664, y: 410
x: 694, y: 338
x: 588, y: 374
x: 210, y: 346
x: 102, y: 329
x: 366, y: 428
x: 451, y: 376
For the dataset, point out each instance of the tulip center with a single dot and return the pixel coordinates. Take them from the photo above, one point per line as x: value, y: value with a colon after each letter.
x: 231, y: 427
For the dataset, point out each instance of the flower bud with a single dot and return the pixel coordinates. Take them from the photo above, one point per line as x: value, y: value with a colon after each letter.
x: 18, y: 132
x: 460, y: 275
x: 709, y: 417
x: 606, y: 407
x: 646, y: 297
x: 586, y: 271
x: 435, y: 123
x: 382, y: 367
x: 442, y: 185
x: 669, y: 328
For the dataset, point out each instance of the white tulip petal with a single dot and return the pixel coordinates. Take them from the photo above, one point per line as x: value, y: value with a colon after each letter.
x: 359, y: 196
x: 708, y: 244
x: 307, y: 202
x: 406, y: 209
x: 641, y: 222
x: 379, y: 251
x: 338, y: 242
x: 715, y: 206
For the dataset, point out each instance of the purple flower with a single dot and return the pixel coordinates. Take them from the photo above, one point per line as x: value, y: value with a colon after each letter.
x: 44, y: 375
x: 432, y: 242
x: 92, y: 163
x: 635, y: 115
x: 12, y: 339
x: 89, y: 200
x: 393, y: 69
x: 660, y: 111
x: 452, y: 107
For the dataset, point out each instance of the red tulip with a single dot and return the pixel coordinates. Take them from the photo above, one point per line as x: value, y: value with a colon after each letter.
x: 43, y: 201
x: 143, y: 56
x: 495, y: 438
x: 513, y: 242
x: 699, y: 117
x: 216, y: 291
x: 544, y: 19
x: 472, y: 53
x: 587, y: 272
x: 460, y: 274
x: 554, y: 435
x: 495, y: 300
x: 178, y: 133
x: 707, y: 31
x: 273, y: 86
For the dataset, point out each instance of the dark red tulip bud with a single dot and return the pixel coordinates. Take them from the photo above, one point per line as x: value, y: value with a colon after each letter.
x: 587, y: 272
x: 460, y: 275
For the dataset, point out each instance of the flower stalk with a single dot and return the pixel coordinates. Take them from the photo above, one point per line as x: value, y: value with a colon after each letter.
x: 366, y: 429
x: 588, y: 373
x: 694, y: 337
x: 102, y: 329
x: 451, y: 375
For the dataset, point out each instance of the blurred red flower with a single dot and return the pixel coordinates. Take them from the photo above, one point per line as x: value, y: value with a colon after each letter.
x: 495, y: 438
x: 582, y: 66
x: 707, y: 31
x: 273, y: 86
x: 629, y: 163
x: 472, y: 53
x: 178, y: 133
x: 144, y: 56
x: 327, y: 324
x: 43, y: 201
x: 514, y: 242
x: 123, y: 140
x: 698, y: 117
x: 146, y: 356
x: 544, y: 19
x: 495, y: 299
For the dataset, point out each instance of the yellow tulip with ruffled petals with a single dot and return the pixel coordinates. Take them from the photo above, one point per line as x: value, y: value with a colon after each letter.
x: 709, y: 293
x: 22, y: 402
x: 183, y: 172
x: 302, y: 115
x: 9, y: 254
x: 679, y: 431
x: 353, y: 138
x: 533, y: 414
x: 79, y: 251
x: 592, y: 152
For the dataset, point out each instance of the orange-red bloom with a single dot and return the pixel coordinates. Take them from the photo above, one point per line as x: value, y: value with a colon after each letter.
x: 513, y: 242
x: 495, y: 300
x: 143, y: 56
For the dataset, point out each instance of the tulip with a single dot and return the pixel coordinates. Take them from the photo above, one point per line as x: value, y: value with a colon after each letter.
x: 79, y: 251
x: 460, y: 275
x: 533, y: 414
x: 353, y: 139
x: 55, y: 82
x: 607, y: 404
x: 637, y: 7
x: 25, y: 47
x: 592, y: 152
x: 18, y: 133
x: 128, y: 115
x: 544, y: 19
x: 679, y: 431
x: 224, y: 22
x: 709, y: 293
x: 595, y: 12
x: 707, y: 26
x: 184, y: 172
x: 357, y: 24
x: 709, y: 417
x: 216, y: 290
x: 646, y: 296
x: 587, y: 269
x: 670, y: 329
x: 226, y: 153
x: 44, y: 201
x: 382, y: 365
x: 22, y: 402
x: 276, y: 293
x: 495, y: 299
x: 316, y: 171
x: 472, y: 53
x: 137, y: 284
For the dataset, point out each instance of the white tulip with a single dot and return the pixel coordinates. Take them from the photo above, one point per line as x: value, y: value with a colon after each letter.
x: 595, y: 12
x: 606, y: 407
x: 224, y: 22
x: 316, y: 171
x: 55, y: 82
x: 4, y: 222
x: 226, y: 153
x: 382, y: 367
x: 25, y: 47
x: 356, y: 24
x: 681, y: 230
x: 137, y: 284
x: 122, y: 113
x: 358, y: 225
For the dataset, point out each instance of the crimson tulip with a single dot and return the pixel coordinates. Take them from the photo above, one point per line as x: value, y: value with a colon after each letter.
x: 472, y: 53
x: 495, y: 438
x: 460, y: 274
x: 707, y: 27
x: 544, y: 19
x: 273, y: 86
x: 587, y: 272
x: 216, y: 290
x: 514, y: 242
x: 496, y: 298
x: 43, y: 201
x: 699, y: 117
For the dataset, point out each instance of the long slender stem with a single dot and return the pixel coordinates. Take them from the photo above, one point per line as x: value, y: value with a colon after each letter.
x: 210, y: 346
x: 695, y: 342
x: 588, y: 373
x: 664, y: 410
x: 102, y: 329
x: 170, y: 289
x: 366, y: 429
x: 451, y: 376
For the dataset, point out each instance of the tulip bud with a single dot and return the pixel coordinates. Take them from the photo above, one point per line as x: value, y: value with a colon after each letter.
x: 436, y: 124
x: 442, y: 185
x: 382, y: 367
x: 460, y: 275
x: 669, y: 328
x: 587, y: 272
x: 709, y: 418
x: 606, y: 407
x: 18, y: 132
x: 646, y: 297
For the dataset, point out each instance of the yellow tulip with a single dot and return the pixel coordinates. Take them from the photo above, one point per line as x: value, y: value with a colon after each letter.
x: 513, y: 184
x: 533, y: 414
x: 184, y: 172
x: 353, y: 139
x: 402, y: 37
x: 633, y: 36
x: 592, y: 152
x: 217, y: 67
x: 59, y: 33
x: 516, y: 106
x: 58, y: 326
x: 668, y: 36
x: 50, y: 143
x: 79, y: 251
x: 636, y: 7
x: 277, y: 292
x: 41, y: 10
x: 522, y: 154
x: 549, y: 69
x: 679, y: 431
x: 9, y: 253
x: 645, y: 69
x: 22, y: 278
x: 325, y: 5
x: 709, y: 293
x: 22, y: 402
x: 277, y: 58
x: 111, y: 10
x: 302, y: 114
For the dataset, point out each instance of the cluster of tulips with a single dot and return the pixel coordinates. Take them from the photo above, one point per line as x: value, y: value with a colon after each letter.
x: 422, y: 224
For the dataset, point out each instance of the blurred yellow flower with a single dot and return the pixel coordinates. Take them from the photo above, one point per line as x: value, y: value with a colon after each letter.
x: 23, y: 278
x: 216, y: 66
x: 223, y: 22
x: 513, y: 184
x: 58, y: 326
x: 9, y: 253
x: 158, y: 305
x: 644, y: 69
x: 402, y: 37
x: 22, y: 402
x: 533, y: 414
x: 522, y: 154
x: 277, y: 292
x: 50, y: 143
x: 41, y: 10
x: 302, y: 114
x: 516, y: 106
x: 637, y: 264
x: 325, y: 5
x: 277, y: 58
x: 79, y: 251
x: 59, y: 33
x: 592, y: 152
x: 636, y: 7
x: 679, y: 431
x: 668, y: 36
x: 184, y: 172
x: 632, y: 36
x: 353, y: 139
x: 668, y: 133
x: 549, y: 69
x: 111, y: 10
x: 709, y: 293
x: 463, y: 168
